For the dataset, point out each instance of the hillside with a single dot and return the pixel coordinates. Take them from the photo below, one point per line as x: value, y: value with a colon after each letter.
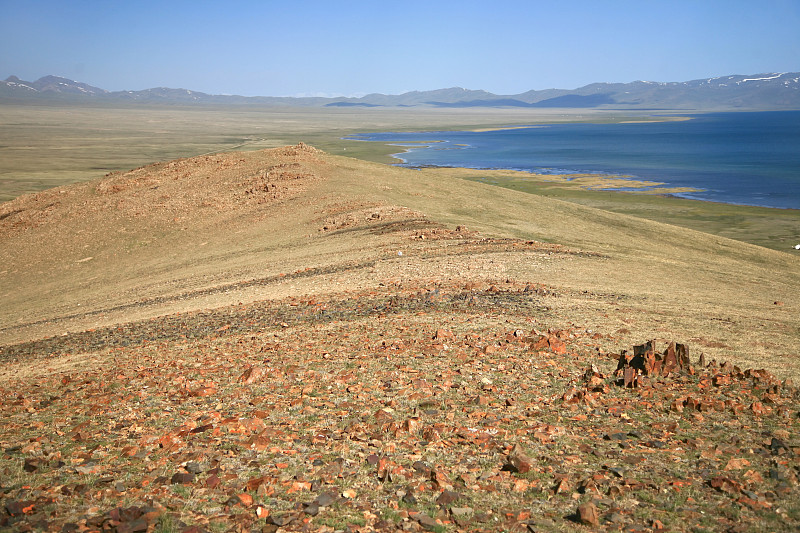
x: 766, y: 91
x: 286, y: 338
x: 179, y: 235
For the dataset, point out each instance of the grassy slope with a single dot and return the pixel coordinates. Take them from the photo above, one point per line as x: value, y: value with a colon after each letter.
x: 370, y: 358
x: 638, y: 276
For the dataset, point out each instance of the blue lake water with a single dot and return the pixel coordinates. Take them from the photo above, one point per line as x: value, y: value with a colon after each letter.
x: 738, y: 158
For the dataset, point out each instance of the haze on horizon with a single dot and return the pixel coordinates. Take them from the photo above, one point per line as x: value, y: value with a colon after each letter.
x: 320, y: 48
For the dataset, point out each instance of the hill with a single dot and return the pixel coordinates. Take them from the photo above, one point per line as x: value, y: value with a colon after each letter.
x: 769, y: 91
x: 286, y: 338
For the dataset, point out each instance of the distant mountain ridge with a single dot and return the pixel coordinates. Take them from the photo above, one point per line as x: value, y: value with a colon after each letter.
x: 744, y: 92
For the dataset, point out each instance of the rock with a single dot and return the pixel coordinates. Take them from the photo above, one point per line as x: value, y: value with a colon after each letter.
x: 443, y: 334
x: 777, y: 446
x: 182, y: 478
x: 325, y: 499
x: 193, y: 468
x: 425, y: 521
x: 517, y: 461
x: 252, y: 375
x: 140, y: 524
x: 541, y: 525
x: 447, y: 497
x: 88, y: 469
x: 19, y: 508
x: 281, y: 519
x: 409, y: 497
x: 587, y: 514
x: 245, y: 499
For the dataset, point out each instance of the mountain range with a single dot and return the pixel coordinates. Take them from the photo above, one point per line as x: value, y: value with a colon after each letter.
x: 744, y: 92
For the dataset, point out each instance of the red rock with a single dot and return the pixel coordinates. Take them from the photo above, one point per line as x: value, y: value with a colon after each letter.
x: 19, y: 508
x: 724, y: 484
x: 557, y: 346
x: 629, y: 376
x: 254, y: 483
x: 588, y: 514
x: 517, y: 461
x: 562, y: 486
x: 202, y: 392
x: 384, y: 415
x: 443, y: 334
x: 252, y: 375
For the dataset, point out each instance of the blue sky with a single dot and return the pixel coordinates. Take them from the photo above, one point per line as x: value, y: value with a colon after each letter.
x: 292, y: 48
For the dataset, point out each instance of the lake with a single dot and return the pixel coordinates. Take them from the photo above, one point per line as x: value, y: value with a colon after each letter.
x: 739, y: 158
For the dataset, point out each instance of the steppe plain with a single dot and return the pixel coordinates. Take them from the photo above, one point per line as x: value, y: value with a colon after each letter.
x: 262, y: 326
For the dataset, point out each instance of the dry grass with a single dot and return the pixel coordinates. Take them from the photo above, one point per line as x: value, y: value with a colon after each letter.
x: 216, y: 230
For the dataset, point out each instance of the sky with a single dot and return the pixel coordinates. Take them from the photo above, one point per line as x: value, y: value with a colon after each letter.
x: 352, y: 48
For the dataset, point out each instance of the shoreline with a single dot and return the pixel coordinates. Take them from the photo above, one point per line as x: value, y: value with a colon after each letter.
x: 639, y: 186
x: 705, y: 178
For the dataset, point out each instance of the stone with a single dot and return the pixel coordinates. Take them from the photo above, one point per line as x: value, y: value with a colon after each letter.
x: 281, y: 519
x: 447, y: 497
x: 182, y: 478
x: 629, y: 375
x: 517, y: 461
x: 325, y: 499
x: 251, y: 375
x: 193, y: 468
x: 588, y: 514
x: 427, y: 523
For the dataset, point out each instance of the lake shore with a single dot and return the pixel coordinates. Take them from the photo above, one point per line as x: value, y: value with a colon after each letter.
x: 48, y: 147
